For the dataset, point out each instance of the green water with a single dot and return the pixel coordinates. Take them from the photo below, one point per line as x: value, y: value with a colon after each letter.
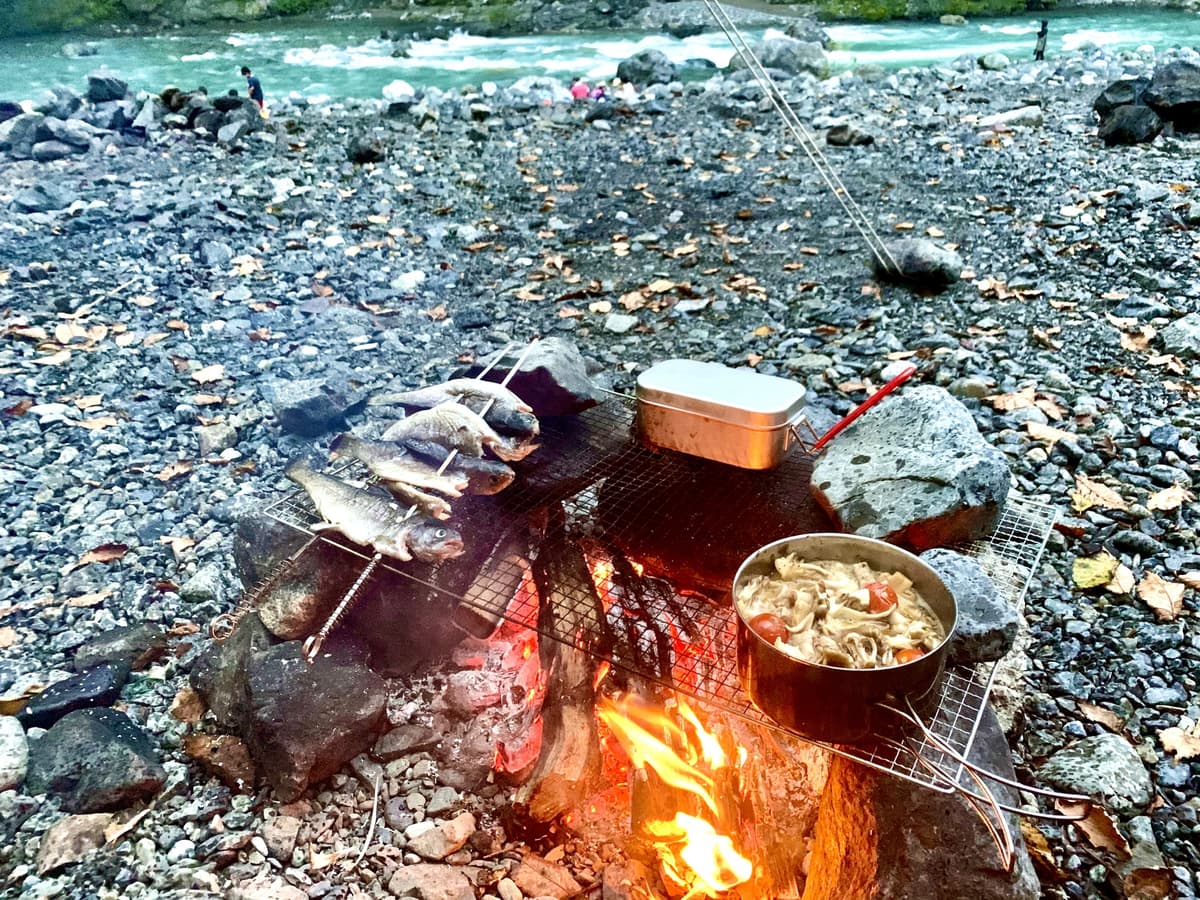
x: 346, y: 58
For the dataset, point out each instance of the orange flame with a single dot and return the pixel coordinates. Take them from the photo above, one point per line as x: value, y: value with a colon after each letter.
x: 693, y: 853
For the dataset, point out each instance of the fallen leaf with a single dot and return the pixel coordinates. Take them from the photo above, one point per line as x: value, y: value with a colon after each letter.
x: 71, y: 839
x: 8, y: 637
x: 95, y: 598
x: 1098, y: 827
x: 810, y: 251
x: 118, y: 830
x: 15, y: 700
x: 91, y: 401
x: 151, y: 339
x: 142, y: 300
x: 600, y: 306
x: 437, y: 313
x: 1089, y: 493
x: 174, y: 470
x: 1169, y: 498
x: 1093, y: 571
x: 187, y: 706
x: 1016, y: 400
x: 1164, y: 597
x: 54, y: 359
x: 1101, y: 716
x: 1191, y: 579
x: 660, y: 286
x: 209, y: 374
x: 207, y: 399
x: 97, y: 424
x: 903, y: 226
x: 935, y: 232
x: 178, y: 544
x: 1122, y: 581
x: 105, y: 553
x: 1148, y: 883
x: 1181, y: 744
x: 1051, y: 436
x: 763, y: 331
x: 1040, y: 852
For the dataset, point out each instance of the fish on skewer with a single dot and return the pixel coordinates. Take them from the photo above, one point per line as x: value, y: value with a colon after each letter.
x: 507, y: 413
x: 456, y: 428
x: 430, y: 504
x: 396, y: 464
x: 375, y: 520
x: 484, y: 476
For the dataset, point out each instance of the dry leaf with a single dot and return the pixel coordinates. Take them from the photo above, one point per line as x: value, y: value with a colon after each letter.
x: 1169, y: 498
x: 208, y: 374
x: 95, y: 598
x: 810, y: 251
x: 174, y: 470
x: 1094, y: 571
x: 660, y: 286
x: 600, y: 306
x: 1040, y: 432
x: 1122, y: 581
x: 151, y: 339
x: 1017, y: 400
x: 1039, y: 851
x: 117, y: 830
x: 1148, y: 883
x: 54, y: 359
x: 1191, y: 579
x: 1181, y: 744
x: 1102, y: 716
x: 105, y: 553
x: 187, y: 706
x: 15, y: 700
x: 1089, y: 493
x: 1164, y: 597
x: 178, y: 544
x: 142, y: 300
x: 1098, y: 827
x: 97, y: 424
x: 8, y: 637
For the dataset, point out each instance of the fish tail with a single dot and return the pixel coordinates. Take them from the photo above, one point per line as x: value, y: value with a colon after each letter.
x: 343, y: 444
x: 297, y: 469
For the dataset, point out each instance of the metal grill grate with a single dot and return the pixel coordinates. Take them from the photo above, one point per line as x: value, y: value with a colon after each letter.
x: 614, y: 493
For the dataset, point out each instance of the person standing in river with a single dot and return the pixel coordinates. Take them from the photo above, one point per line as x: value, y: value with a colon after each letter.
x: 254, y: 87
x: 1039, y: 50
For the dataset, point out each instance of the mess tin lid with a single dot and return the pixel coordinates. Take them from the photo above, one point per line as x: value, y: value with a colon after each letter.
x: 739, y: 397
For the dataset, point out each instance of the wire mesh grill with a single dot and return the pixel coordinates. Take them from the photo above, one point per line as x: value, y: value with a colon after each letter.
x: 634, y: 515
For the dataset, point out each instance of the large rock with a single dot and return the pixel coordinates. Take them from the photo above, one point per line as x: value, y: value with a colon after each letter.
x: 1130, y: 125
x: 45, y: 196
x: 312, y: 406
x: 49, y: 151
x: 102, y: 87
x: 809, y: 31
x: 647, y: 67
x: 914, y: 470
x: 878, y: 837
x: 306, y: 721
x: 94, y: 760
x: 427, y: 881
x: 10, y: 109
x: 219, y: 673
x: 994, y: 62
x: 14, y: 753
x: 552, y: 379
x: 1106, y: 768
x: 98, y: 686
x: 987, y: 623
x: 1174, y: 93
x: 1182, y: 337
x: 75, y: 132
x: 788, y: 55
x: 18, y: 132
x: 921, y: 263
x: 848, y: 135
x: 60, y: 102
x: 1122, y: 92
x: 364, y: 149
x: 133, y: 645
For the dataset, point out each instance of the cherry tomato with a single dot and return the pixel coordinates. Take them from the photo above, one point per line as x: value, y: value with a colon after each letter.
x: 769, y: 627
x: 883, y: 597
x: 908, y: 655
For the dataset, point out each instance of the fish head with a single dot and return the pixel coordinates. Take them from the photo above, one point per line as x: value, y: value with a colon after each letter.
x: 491, y: 477
x: 432, y: 542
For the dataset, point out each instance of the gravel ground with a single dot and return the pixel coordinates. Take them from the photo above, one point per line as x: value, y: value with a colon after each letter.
x: 188, y: 276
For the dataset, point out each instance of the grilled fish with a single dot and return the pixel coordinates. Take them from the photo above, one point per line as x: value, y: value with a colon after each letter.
x: 457, y: 428
x: 394, y: 463
x: 507, y: 413
x: 484, y: 476
x: 432, y: 505
x: 375, y: 520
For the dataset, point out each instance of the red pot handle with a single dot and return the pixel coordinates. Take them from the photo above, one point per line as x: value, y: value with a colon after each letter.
x: 864, y: 406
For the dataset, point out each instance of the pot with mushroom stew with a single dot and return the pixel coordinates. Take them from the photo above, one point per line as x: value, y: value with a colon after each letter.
x: 832, y: 628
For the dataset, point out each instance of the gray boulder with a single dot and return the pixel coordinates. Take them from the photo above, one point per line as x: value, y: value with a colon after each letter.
x: 43, y: 197
x: 19, y: 131
x: 553, y: 378
x: 914, y: 470
x: 647, y: 67
x: 789, y: 55
x: 809, y: 31
x: 312, y: 406
x: 922, y: 263
x: 1130, y: 125
x: 102, y: 87
x: 14, y: 753
x: 49, y: 151
x: 60, y: 102
x: 987, y: 623
x: 1122, y: 92
x: 994, y: 62
x: 1174, y: 93
x: 365, y: 149
x: 94, y: 760
x: 9, y: 109
x: 233, y: 132
x: 848, y: 136
x: 1106, y: 768
x: 74, y: 132
x: 132, y: 645
x: 215, y: 254
x: 1182, y: 337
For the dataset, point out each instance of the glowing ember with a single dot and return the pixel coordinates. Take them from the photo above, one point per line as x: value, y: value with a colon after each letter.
x: 694, y: 852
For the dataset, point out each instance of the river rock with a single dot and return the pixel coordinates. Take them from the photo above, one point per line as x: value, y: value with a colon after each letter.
x: 132, y: 645
x: 14, y: 753
x: 61, y: 103
x: 647, y: 67
x: 1130, y: 125
x: 1182, y: 337
x: 102, y: 87
x: 537, y: 877
x: 994, y: 62
x: 94, y: 760
x: 987, y: 623
x: 71, y: 839
x: 1026, y: 116
x: 403, y: 740
x: 212, y: 439
x: 427, y: 881
x: 1106, y: 768
x: 951, y: 19
x: 73, y: 132
x: 809, y: 31
x: 1122, y: 92
x: 287, y: 697
x: 98, y: 686
x: 553, y: 378
x: 312, y: 406
x: 232, y: 132
x: 17, y: 133
x: 445, y: 838
x: 10, y: 109
x: 49, y: 151
x: 366, y: 149
x: 921, y: 263
x: 45, y: 196
x: 1174, y: 93
x: 848, y: 136
x: 788, y: 55
x: 914, y: 470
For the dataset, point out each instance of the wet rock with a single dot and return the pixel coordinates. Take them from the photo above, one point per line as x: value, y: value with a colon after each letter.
x: 809, y: 31
x: 921, y: 843
x: 921, y: 263
x: 132, y: 645
x: 788, y: 55
x: 312, y: 406
x: 14, y: 753
x: 445, y: 838
x: 305, y: 721
x: 848, y: 136
x: 70, y: 839
x: 1182, y: 337
x: 102, y: 87
x: 647, y: 67
x: 914, y: 470
x: 43, y: 197
x: 1174, y: 93
x: 987, y: 623
x: 1123, y: 92
x: 94, y: 760
x: 538, y: 878
x: 951, y: 19
x: 1104, y: 767
x: 98, y: 686
x: 553, y: 379
x: 1130, y: 125
x: 427, y: 881
x: 403, y: 740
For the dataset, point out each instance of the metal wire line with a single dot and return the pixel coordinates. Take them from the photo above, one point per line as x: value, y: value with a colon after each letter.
x: 810, y: 147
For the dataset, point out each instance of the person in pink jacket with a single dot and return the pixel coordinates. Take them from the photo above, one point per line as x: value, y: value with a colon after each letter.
x: 579, y: 90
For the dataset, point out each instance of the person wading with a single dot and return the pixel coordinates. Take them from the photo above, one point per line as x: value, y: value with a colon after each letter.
x: 1039, y: 50
x: 254, y: 87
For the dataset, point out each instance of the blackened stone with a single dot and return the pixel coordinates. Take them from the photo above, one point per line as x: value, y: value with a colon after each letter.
x: 1142, y: 308
x: 9, y: 110
x: 848, y: 136
x: 364, y: 149
x: 552, y: 379
x: 1123, y: 92
x: 261, y: 543
x: 102, y: 87
x: 987, y: 623
x: 210, y: 120
x: 226, y: 103
x: 1130, y: 125
x: 312, y: 406
x: 132, y: 645
x: 647, y: 67
x: 219, y: 674
x: 94, y: 760
x: 98, y: 686
x: 921, y: 263
x: 306, y: 721
x: 1174, y: 93
x: 403, y: 740
x: 472, y: 317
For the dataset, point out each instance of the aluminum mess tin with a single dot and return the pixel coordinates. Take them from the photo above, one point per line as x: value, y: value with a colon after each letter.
x: 734, y: 416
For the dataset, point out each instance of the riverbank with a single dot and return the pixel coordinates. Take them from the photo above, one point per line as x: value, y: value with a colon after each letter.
x: 170, y: 289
